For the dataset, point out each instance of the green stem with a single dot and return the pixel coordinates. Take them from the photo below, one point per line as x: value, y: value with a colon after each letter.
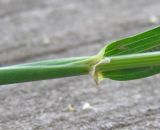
x: 130, y: 61
x: 75, y: 66
x: 44, y: 70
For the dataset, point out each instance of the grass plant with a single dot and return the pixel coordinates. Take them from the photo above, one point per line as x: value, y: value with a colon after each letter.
x: 130, y: 58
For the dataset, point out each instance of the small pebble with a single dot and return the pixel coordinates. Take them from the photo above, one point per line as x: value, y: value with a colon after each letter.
x: 71, y: 108
x: 153, y: 19
x: 46, y: 40
x: 87, y: 106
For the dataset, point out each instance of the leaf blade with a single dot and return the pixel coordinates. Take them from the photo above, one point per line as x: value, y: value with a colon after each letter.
x: 148, y: 41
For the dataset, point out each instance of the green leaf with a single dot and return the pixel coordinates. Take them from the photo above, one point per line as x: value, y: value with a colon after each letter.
x: 127, y: 59
x: 148, y: 41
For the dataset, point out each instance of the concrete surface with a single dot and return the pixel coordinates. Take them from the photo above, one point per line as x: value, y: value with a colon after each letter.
x: 32, y: 30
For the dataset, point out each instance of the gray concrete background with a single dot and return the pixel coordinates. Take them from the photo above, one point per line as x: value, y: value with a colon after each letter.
x: 32, y: 30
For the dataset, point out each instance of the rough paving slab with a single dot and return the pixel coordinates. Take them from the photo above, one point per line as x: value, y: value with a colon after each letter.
x: 44, y: 29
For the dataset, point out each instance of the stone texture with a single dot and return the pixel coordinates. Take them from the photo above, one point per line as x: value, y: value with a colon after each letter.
x: 32, y: 30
